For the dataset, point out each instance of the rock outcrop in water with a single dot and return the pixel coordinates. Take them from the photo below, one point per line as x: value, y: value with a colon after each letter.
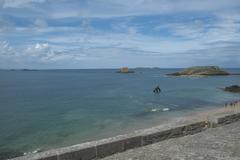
x: 201, y: 71
x: 233, y: 88
x: 125, y: 70
x: 157, y: 90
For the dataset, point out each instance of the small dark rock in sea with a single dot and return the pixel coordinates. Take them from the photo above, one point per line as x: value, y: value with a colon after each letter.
x: 7, y: 154
x: 233, y: 88
x: 157, y: 90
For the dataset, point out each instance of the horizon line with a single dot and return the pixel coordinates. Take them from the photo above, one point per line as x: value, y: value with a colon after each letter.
x: 104, y: 68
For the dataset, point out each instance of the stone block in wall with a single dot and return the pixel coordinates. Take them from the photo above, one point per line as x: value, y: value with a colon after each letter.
x: 228, y: 119
x: 109, y: 148
x: 82, y: 154
x: 49, y: 158
x: 195, y: 127
x: 177, y: 132
x: 155, y: 137
x: 132, y: 142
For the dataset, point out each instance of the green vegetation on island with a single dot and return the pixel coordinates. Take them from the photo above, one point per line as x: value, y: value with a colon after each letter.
x: 201, y: 71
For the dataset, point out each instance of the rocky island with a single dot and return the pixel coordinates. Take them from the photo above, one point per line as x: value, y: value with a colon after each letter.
x: 125, y: 70
x: 233, y: 88
x: 201, y: 71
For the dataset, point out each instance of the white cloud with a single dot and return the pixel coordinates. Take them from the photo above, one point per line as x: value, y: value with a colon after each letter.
x: 40, y: 52
x: 1, y: 3
x: 189, y: 30
x: 5, y: 25
x: 222, y: 28
x: 19, y: 3
x: 119, y: 8
x: 6, y: 49
x: 44, y: 53
x: 38, y: 49
x: 92, y: 30
x: 109, y: 8
x: 40, y: 23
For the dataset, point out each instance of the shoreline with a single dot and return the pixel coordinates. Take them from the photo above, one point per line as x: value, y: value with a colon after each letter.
x: 200, y: 121
x: 158, y: 118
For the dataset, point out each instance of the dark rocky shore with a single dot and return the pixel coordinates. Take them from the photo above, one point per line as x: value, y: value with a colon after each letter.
x: 233, y: 88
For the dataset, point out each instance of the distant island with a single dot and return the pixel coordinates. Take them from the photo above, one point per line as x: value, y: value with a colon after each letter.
x: 125, y: 70
x: 147, y: 68
x: 24, y: 70
x: 29, y: 70
x: 201, y: 71
x: 233, y: 88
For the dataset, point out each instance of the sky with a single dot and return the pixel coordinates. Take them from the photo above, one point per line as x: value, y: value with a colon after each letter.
x: 67, y: 34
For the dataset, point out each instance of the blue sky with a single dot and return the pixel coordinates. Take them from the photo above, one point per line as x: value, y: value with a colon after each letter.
x: 115, y: 33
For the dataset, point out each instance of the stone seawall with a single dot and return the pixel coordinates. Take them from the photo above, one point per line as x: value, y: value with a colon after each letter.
x: 105, y: 147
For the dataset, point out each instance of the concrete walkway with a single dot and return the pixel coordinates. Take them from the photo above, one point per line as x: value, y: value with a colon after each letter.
x: 221, y: 143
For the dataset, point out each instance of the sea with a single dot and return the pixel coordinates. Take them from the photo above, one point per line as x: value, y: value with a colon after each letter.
x: 47, y: 109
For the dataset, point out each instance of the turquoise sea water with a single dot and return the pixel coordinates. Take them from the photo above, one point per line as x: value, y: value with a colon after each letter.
x: 53, y: 108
